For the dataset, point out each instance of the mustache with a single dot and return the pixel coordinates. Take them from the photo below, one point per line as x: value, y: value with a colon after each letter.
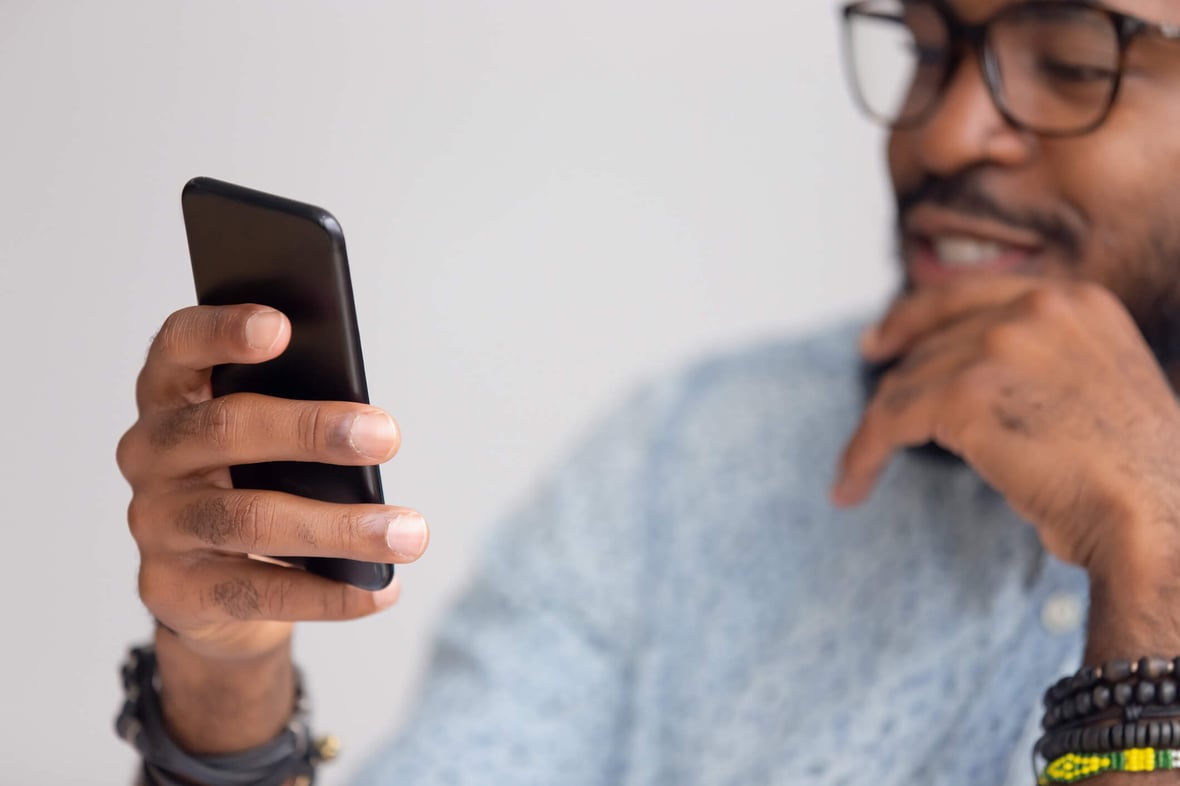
x: 964, y: 193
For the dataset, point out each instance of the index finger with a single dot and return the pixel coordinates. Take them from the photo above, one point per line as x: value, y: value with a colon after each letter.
x: 915, y: 315
x: 193, y: 340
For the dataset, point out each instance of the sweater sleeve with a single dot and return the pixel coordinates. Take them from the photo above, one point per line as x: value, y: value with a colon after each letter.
x: 529, y: 682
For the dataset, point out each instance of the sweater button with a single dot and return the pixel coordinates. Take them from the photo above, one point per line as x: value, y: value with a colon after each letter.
x: 1062, y: 613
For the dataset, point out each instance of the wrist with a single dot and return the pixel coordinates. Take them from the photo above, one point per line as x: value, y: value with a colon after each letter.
x: 218, y: 705
x: 241, y: 644
x: 1134, y: 596
x: 289, y: 757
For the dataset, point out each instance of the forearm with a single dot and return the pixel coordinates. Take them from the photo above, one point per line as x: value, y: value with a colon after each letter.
x: 223, y: 706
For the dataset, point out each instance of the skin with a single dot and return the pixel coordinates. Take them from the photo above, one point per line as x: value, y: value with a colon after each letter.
x: 1043, y: 382
x: 1051, y: 381
x: 226, y: 616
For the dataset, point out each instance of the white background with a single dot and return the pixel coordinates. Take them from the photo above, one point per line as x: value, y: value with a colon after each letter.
x: 545, y: 202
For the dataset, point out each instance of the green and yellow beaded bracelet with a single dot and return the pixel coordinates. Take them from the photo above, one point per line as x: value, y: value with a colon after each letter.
x: 1074, y: 767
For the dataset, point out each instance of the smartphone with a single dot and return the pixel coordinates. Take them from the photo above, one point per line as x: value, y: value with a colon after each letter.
x: 250, y: 247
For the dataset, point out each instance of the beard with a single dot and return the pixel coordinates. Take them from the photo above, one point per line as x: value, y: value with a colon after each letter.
x: 1148, y: 284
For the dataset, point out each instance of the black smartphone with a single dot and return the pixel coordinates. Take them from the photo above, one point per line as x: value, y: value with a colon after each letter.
x: 250, y: 247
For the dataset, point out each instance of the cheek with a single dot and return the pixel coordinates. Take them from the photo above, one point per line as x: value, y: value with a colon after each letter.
x: 1122, y: 177
x: 904, y: 170
x: 1119, y: 180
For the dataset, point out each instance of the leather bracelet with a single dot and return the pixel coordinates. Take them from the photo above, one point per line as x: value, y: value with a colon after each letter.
x: 293, y: 754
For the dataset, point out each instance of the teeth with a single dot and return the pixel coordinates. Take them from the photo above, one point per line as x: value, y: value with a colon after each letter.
x: 959, y: 251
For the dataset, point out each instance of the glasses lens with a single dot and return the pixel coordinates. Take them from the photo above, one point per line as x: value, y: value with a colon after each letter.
x: 898, y: 53
x: 1058, y: 65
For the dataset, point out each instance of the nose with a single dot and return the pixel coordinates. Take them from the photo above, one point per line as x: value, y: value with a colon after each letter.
x: 967, y: 128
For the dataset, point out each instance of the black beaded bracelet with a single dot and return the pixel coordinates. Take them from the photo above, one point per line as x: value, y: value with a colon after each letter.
x: 1131, y: 686
x: 1127, y: 700
x: 1111, y: 673
x: 1119, y: 706
x: 1115, y: 737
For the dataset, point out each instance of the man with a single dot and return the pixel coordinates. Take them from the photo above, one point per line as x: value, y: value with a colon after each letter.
x: 691, y: 600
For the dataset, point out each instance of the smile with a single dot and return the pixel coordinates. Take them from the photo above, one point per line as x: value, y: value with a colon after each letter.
x: 940, y: 245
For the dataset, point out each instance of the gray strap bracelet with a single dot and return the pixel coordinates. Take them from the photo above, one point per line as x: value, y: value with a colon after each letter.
x: 291, y: 755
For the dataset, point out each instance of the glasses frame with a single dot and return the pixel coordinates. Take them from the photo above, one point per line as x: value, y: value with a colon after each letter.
x: 965, y: 38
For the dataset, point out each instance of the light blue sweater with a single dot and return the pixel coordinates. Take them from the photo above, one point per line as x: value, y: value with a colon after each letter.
x: 680, y: 604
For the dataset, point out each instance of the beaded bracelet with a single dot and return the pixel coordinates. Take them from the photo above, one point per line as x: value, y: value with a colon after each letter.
x: 1111, y: 707
x: 1146, y: 681
x: 1107, y: 739
x: 1074, y: 767
x: 1125, y: 699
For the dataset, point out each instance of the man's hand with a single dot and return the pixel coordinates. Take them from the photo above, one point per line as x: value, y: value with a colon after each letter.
x: 1049, y: 391
x: 197, y: 535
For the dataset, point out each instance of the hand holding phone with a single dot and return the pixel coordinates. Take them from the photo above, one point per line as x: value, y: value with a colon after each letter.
x: 250, y: 247
x: 197, y: 530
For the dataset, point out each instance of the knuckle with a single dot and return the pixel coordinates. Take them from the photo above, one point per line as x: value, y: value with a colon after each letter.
x: 242, y: 519
x: 196, y: 324
x: 153, y: 583
x: 1095, y: 296
x: 332, y: 603
x: 205, y: 519
x: 353, y: 533
x: 894, y: 323
x: 236, y: 596
x: 139, y: 519
x: 127, y: 453
x: 972, y: 386
x: 174, y: 333
x: 176, y: 426
x: 225, y: 324
x: 278, y: 598
x: 894, y: 395
x: 309, y: 428
x: 203, y: 599
x: 217, y: 422
x: 361, y: 603
x: 1048, y: 302
x: 345, y: 602
x: 252, y: 521
x: 1004, y: 340
x: 953, y: 434
x: 146, y: 584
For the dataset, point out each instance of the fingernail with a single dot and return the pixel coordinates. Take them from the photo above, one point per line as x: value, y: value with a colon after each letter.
x: 262, y: 329
x: 406, y: 535
x: 372, y: 434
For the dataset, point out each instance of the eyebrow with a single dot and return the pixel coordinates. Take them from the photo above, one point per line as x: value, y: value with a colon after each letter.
x: 1168, y: 30
x: 1165, y: 30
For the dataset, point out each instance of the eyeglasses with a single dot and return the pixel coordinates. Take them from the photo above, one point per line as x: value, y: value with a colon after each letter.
x: 1052, y: 67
